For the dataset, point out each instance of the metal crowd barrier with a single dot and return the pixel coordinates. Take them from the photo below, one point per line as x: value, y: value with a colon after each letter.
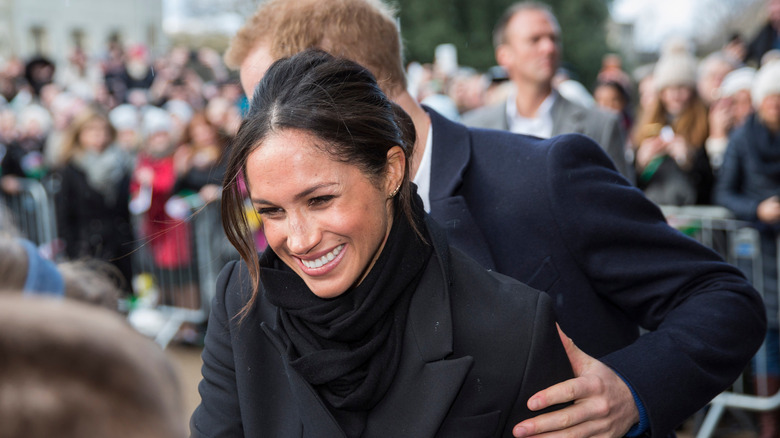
x: 32, y: 213
x: 740, y: 244
x: 168, y: 300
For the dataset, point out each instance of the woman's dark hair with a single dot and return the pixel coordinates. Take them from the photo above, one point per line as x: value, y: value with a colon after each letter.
x: 340, y: 103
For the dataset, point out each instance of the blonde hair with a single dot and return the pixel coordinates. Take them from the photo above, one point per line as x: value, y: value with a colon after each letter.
x: 364, y: 31
x: 70, y: 142
x: 692, y: 124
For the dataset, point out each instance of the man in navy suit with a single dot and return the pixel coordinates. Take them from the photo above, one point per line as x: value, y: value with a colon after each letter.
x: 557, y: 215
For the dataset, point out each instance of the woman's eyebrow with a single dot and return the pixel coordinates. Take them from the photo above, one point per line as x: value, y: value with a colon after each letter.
x: 297, y: 197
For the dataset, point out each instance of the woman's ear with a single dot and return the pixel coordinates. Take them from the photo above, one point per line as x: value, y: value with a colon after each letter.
x: 396, y: 167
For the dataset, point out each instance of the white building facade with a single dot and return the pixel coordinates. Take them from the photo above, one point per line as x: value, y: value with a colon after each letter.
x: 54, y: 27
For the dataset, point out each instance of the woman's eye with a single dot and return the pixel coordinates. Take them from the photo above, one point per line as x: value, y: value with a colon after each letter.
x: 269, y: 211
x: 320, y: 200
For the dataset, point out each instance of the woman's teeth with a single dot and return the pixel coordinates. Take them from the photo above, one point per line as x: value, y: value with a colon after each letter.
x: 320, y: 262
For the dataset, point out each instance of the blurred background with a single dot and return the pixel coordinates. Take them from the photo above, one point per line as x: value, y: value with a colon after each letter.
x: 150, y: 75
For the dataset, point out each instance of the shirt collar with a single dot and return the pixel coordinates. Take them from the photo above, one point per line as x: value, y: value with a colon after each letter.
x: 423, y: 176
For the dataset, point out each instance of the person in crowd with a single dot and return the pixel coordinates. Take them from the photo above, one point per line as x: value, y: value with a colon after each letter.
x: 612, y: 96
x: 709, y: 75
x: 643, y: 76
x: 137, y: 72
x: 748, y: 185
x: 72, y: 370
x: 364, y: 321
x: 93, y: 189
x: 23, y: 157
x: 168, y: 238
x: 509, y: 201
x: 64, y: 108
x: 23, y: 268
x: 198, y: 162
x: 80, y: 76
x: 126, y: 120
x: 768, y: 37
x: 39, y: 72
x: 671, y: 162
x: 612, y: 71
x: 527, y: 44
x: 728, y: 112
x: 225, y: 114
x: 181, y: 113
x: 736, y: 87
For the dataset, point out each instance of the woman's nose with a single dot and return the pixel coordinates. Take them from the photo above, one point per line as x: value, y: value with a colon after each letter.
x: 302, y: 236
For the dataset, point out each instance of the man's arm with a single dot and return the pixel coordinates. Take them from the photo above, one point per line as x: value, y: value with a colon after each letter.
x: 704, y: 319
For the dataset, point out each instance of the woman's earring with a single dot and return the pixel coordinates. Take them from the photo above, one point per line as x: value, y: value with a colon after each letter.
x: 395, y: 192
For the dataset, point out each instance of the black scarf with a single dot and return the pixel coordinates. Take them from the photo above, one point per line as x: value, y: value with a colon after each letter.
x: 349, y: 347
x: 766, y: 144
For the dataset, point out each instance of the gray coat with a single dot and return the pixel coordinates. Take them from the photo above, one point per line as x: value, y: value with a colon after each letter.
x: 568, y: 118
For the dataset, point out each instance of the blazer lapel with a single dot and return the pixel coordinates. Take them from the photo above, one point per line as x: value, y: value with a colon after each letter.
x: 427, y: 382
x: 449, y: 160
x: 567, y: 117
x: 450, y: 156
x: 317, y: 420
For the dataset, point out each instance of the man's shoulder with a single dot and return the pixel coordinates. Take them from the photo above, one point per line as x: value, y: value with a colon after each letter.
x: 589, y: 114
x: 488, y: 116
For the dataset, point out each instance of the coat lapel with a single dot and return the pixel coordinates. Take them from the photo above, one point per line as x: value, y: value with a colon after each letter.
x: 317, y: 420
x: 567, y: 117
x: 427, y: 381
x: 449, y: 160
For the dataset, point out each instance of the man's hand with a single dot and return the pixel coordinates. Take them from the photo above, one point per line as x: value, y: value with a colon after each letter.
x: 603, y: 404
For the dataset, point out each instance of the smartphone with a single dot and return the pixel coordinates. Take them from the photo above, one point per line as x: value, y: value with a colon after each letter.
x: 667, y: 133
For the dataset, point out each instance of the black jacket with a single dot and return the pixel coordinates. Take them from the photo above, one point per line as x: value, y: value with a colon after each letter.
x: 477, y: 346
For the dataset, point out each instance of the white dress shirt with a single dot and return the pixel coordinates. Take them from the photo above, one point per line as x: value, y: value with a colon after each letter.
x: 423, y: 176
x: 540, y: 126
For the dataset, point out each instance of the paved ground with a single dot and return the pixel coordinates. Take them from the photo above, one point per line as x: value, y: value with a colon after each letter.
x: 188, y: 363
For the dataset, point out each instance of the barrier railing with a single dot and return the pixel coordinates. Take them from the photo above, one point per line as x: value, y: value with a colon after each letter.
x: 175, y: 273
x: 740, y: 244
x: 169, y: 295
x: 32, y: 213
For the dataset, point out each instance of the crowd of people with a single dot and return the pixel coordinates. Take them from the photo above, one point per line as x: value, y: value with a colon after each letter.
x: 365, y: 244
x: 120, y: 135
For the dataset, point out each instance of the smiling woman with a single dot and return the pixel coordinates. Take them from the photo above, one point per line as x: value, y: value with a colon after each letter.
x: 359, y: 320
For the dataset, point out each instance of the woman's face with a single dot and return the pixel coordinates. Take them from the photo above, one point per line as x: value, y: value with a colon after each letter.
x: 609, y: 98
x: 94, y: 135
x: 202, y: 133
x: 325, y: 219
x: 769, y: 111
x: 675, y: 98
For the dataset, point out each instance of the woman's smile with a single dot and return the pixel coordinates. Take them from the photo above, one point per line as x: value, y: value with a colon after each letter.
x: 322, y: 265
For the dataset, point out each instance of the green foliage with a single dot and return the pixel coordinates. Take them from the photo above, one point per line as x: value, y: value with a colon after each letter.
x: 468, y: 24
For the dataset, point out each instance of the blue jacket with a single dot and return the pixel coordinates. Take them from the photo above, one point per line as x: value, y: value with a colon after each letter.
x: 556, y: 215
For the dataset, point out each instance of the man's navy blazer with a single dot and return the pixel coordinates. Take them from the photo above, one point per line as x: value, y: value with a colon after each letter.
x: 556, y: 215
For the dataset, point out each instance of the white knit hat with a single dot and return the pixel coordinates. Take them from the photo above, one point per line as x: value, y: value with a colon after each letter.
x: 676, y: 66
x: 737, y: 80
x: 766, y: 82
x: 125, y: 117
x: 156, y: 120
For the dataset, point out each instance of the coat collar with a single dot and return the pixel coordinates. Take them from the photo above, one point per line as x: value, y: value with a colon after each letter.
x: 568, y: 117
x: 450, y: 156
x: 426, y: 381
